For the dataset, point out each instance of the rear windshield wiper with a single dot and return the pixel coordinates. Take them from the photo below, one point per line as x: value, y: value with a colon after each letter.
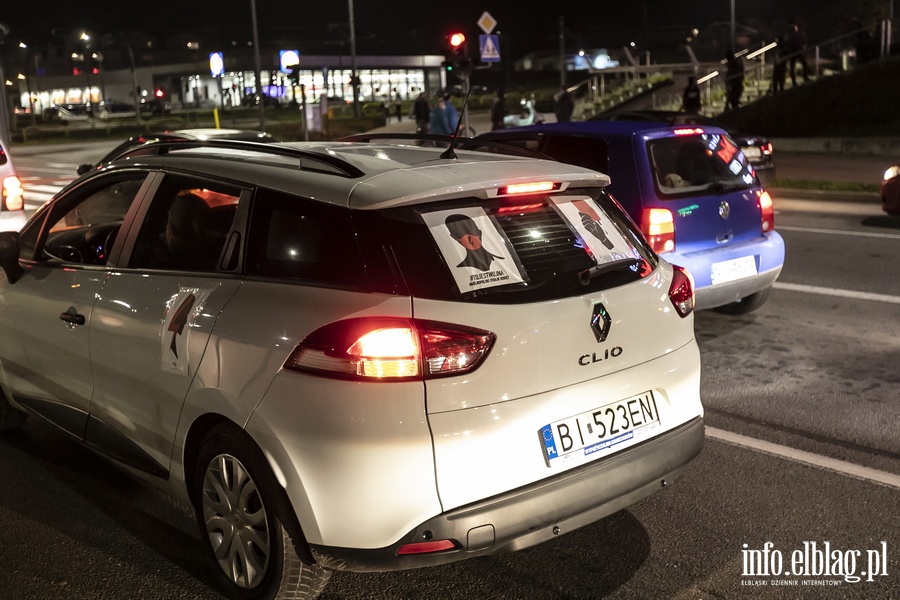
x: 584, y: 277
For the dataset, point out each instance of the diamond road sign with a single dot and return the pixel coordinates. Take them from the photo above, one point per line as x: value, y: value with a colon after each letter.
x: 487, y: 23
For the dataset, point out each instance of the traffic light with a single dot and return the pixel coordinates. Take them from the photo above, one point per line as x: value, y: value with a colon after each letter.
x: 457, y: 43
x: 457, y: 55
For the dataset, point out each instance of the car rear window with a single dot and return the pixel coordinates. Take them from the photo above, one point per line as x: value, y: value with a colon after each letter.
x: 502, y: 252
x: 693, y: 164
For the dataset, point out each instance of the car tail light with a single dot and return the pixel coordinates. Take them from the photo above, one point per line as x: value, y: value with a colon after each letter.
x: 13, y: 196
x: 767, y: 211
x: 379, y: 349
x: 766, y: 148
x: 681, y: 291
x: 658, y: 226
x: 427, y: 547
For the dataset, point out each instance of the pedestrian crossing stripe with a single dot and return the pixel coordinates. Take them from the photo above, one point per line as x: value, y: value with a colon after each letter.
x: 490, y: 48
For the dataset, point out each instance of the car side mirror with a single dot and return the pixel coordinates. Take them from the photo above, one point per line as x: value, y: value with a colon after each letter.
x: 9, y: 255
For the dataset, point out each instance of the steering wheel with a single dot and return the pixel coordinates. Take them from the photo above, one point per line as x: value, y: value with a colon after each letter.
x: 100, y: 239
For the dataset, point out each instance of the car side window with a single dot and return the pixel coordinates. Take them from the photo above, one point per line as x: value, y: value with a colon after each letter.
x: 83, y: 228
x: 303, y: 240
x: 186, y: 225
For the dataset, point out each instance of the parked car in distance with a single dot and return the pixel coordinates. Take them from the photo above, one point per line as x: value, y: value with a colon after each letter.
x: 691, y: 190
x: 12, y: 197
x: 354, y: 356
x: 155, y: 106
x: 757, y: 148
x: 67, y: 113
x: 890, y: 190
x: 114, y: 108
x: 254, y: 99
x: 197, y: 134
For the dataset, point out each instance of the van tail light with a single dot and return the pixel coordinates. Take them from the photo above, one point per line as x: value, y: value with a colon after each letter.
x: 681, y: 291
x: 391, y: 349
x: 13, y: 195
x: 767, y: 211
x: 658, y: 226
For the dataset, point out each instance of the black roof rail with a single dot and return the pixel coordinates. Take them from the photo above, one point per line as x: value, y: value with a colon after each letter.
x: 462, y: 143
x: 333, y: 163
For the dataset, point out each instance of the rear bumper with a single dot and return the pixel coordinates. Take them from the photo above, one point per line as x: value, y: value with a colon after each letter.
x: 539, y: 512
x: 726, y: 293
x: 769, y: 253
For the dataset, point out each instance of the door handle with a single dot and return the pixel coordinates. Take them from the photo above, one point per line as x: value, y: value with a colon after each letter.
x: 71, y: 316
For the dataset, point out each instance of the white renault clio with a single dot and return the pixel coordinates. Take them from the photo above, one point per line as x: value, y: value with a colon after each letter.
x: 352, y: 356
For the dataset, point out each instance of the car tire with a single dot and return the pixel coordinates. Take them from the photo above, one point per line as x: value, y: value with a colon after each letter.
x: 245, y: 518
x: 10, y: 418
x: 746, y: 304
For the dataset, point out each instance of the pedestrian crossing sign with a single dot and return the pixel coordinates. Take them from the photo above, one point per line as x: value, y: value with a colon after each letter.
x: 490, y: 48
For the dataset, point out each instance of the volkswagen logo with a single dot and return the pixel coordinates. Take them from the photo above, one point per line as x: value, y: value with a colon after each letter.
x: 724, y: 209
x: 600, y: 322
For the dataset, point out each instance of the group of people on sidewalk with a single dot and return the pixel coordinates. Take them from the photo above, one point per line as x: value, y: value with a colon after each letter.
x: 442, y: 119
x: 790, y: 51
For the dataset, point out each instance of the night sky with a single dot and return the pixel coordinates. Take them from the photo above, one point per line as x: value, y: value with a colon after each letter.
x: 385, y: 27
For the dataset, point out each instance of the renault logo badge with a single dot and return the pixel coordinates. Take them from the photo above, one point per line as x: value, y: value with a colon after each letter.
x: 724, y: 210
x: 600, y: 322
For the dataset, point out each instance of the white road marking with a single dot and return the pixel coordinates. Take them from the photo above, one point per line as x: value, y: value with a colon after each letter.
x: 839, y: 293
x: 828, y: 207
x: 808, y: 458
x: 890, y: 236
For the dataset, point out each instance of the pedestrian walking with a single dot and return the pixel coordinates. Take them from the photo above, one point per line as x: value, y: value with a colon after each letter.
x: 498, y: 110
x: 565, y: 105
x: 421, y: 113
x: 795, y: 42
x: 779, y: 69
x: 452, y: 114
x: 690, y: 99
x: 439, y: 120
x: 734, y: 81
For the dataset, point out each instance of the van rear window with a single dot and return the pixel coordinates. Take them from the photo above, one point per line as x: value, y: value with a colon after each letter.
x: 686, y: 165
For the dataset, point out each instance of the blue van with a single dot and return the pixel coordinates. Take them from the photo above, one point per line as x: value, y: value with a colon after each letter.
x: 691, y: 190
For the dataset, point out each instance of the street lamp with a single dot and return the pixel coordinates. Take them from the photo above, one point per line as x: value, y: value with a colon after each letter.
x: 4, y: 109
x: 733, y: 30
x: 354, y: 80
x: 257, y: 70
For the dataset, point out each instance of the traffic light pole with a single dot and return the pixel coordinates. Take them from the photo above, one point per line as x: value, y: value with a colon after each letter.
x: 465, y: 82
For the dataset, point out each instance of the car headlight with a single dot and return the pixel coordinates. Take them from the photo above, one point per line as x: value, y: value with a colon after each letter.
x: 892, y: 172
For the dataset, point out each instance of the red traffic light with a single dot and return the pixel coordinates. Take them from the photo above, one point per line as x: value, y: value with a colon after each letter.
x: 456, y: 41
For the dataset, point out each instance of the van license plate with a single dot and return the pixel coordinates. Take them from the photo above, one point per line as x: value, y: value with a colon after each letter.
x: 599, y: 429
